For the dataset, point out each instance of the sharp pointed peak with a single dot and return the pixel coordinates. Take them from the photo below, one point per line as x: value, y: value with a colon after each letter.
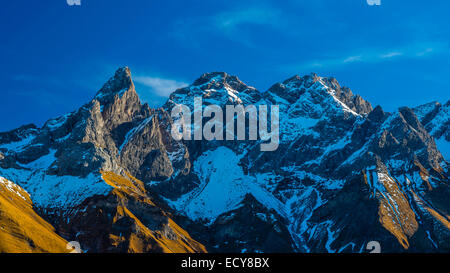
x: 123, y: 72
x: 117, y: 84
x: 377, y: 114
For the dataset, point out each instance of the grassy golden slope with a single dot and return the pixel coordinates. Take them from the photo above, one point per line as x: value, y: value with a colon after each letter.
x: 132, y: 199
x: 21, y: 229
x: 395, y: 212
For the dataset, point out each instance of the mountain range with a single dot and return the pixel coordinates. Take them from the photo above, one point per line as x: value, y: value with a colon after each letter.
x: 111, y: 177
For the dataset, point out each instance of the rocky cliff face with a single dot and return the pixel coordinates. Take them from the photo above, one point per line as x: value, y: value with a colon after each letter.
x: 344, y: 173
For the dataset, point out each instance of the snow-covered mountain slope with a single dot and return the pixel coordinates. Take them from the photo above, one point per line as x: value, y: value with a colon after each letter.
x: 330, y: 138
x: 436, y: 119
x: 344, y: 174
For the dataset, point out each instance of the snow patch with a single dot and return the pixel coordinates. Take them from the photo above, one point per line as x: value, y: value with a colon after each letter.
x: 18, y: 146
x: 51, y: 191
x: 223, y: 185
x: 13, y: 187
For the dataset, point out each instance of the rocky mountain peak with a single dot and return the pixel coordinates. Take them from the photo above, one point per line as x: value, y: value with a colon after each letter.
x: 320, y: 90
x: 120, y: 83
x: 377, y: 114
x: 298, y: 81
x: 436, y: 118
x: 210, y: 77
x: 215, y: 88
x: 409, y: 115
x: 338, y: 160
x: 220, y: 80
x: 425, y: 109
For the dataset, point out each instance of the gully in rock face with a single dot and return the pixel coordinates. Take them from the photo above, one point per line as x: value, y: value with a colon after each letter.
x: 181, y: 128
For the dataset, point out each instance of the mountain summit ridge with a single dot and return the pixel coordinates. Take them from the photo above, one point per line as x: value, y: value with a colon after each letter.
x: 338, y: 157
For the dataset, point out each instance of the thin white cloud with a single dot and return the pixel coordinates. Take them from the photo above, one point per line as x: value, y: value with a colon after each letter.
x: 425, y: 52
x: 352, y: 59
x: 372, y: 56
x: 229, y: 21
x: 227, y: 24
x: 160, y: 86
x: 390, y: 55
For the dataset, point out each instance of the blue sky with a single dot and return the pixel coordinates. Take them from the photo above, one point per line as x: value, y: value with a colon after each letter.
x: 55, y: 57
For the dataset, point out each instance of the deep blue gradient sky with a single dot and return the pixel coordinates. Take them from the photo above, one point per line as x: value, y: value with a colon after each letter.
x: 54, y: 57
